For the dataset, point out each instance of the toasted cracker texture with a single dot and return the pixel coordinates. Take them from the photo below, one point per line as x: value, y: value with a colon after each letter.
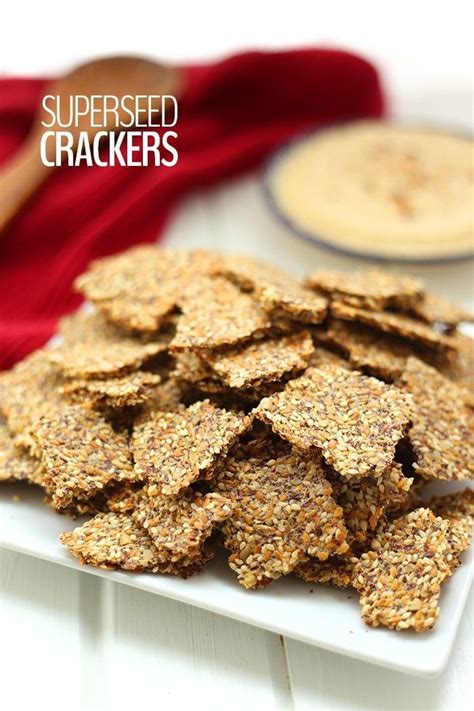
x: 180, y: 527
x: 400, y: 578
x: 203, y: 399
x: 356, y: 421
x: 364, y: 502
x: 15, y: 462
x: 28, y: 391
x: 395, y: 323
x: 336, y: 570
x: 283, y: 512
x: 373, y: 289
x: 124, y: 391
x: 436, y: 310
x: 216, y: 313
x: 114, y: 541
x: 442, y: 433
x: 94, y: 348
x: 458, y: 509
x: 263, y: 360
x: 280, y: 295
x: 174, y: 449
x: 81, y: 453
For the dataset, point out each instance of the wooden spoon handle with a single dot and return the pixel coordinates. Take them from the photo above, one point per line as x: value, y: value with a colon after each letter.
x: 20, y: 179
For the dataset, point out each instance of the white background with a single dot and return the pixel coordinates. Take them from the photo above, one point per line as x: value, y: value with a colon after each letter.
x: 69, y: 641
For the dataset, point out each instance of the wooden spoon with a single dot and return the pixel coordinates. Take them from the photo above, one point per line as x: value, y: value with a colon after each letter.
x: 117, y: 76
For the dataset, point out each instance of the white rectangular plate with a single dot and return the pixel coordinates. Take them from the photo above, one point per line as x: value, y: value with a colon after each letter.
x: 315, y: 614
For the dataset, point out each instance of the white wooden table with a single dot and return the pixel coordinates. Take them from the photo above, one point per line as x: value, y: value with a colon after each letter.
x: 71, y: 641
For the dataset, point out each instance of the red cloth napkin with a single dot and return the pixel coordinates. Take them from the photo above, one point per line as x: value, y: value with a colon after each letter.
x: 232, y: 114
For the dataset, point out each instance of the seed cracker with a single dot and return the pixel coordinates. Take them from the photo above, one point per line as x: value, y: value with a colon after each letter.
x: 81, y: 453
x: 15, y: 462
x: 247, y: 273
x: 216, y: 313
x: 140, y: 289
x: 179, y: 527
x: 283, y: 513
x: 373, y: 289
x: 395, y: 323
x: 174, y: 449
x: 458, y: 509
x: 263, y: 360
x: 94, y: 348
x: 442, y: 432
x: 113, y: 541
x: 434, y: 309
x: 336, y: 570
x: 364, y: 502
x: 123, y: 499
x: 355, y: 420
x: 191, y: 368
x: 400, y: 578
x: 325, y: 356
x: 166, y: 397
x: 28, y: 391
x: 380, y: 354
x: 128, y: 390
x: 281, y: 295
x: 198, y: 379
x: 78, y: 508
x: 385, y: 356
x: 288, y: 300
x: 460, y: 367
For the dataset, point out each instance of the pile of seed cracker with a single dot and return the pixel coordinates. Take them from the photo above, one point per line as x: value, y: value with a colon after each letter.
x: 209, y: 400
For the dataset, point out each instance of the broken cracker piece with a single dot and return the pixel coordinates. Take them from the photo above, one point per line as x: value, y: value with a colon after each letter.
x: 434, y: 309
x: 364, y: 502
x: 336, y: 570
x: 458, y: 509
x: 400, y: 578
x: 263, y: 360
x: 385, y: 355
x: 395, y: 323
x: 279, y: 293
x: 191, y: 368
x: 114, y: 541
x: 81, y: 454
x: 28, y: 391
x: 380, y: 354
x: 140, y: 289
x: 179, y: 527
x: 94, y: 348
x: 325, y: 356
x: 174, y: 449
x: 216, y: 313
x: 125, y: 391
x: 460, y: 367
x: 283, y: 512
x: 15, y: 462
x: 247, y: 273
x: 288, y: 300
x: 372, y: 288
x: 111, y: 541
x: 166, y: 397
x: 442, y: 433
x: 355, y: 420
